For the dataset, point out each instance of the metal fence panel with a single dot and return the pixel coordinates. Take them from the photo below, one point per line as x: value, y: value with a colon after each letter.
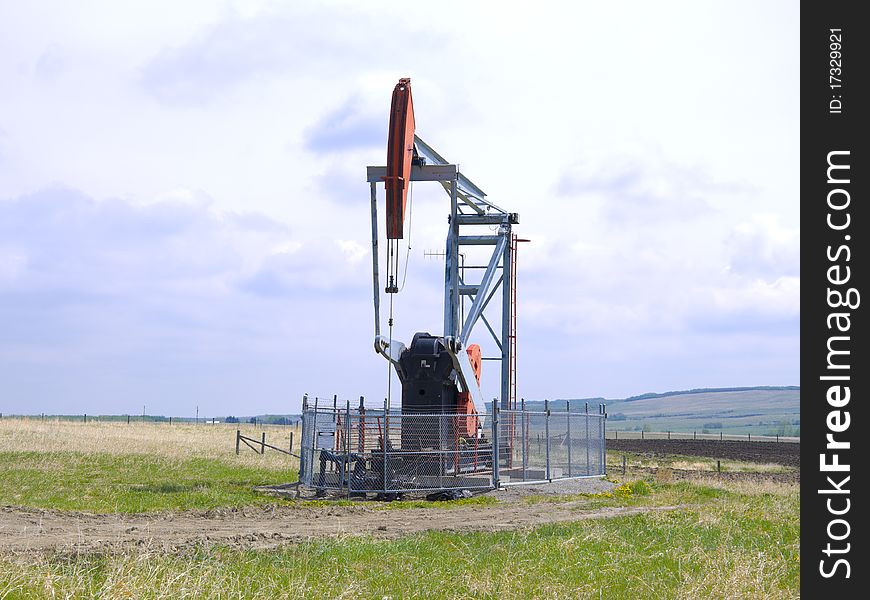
x: 365, y: 450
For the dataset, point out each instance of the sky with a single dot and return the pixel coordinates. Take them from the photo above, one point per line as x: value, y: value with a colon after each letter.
x: 185, y: 220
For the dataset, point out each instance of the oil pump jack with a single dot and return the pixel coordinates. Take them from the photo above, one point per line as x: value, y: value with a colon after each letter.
x: 440, y: 374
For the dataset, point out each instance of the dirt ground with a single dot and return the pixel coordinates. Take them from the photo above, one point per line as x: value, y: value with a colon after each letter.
x: 27, y: 530
x: 48, y: 530
x: 781, y: 453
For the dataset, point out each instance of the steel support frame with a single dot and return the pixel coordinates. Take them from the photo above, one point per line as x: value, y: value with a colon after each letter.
x: 468, y: 207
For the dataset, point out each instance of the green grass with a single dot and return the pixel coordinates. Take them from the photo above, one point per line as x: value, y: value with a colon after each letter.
x: 129, y: 483
x: 733, y: 545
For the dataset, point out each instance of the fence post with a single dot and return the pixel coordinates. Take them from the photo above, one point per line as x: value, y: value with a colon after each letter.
x: 602, y: 421
x: 693, y: 435
x: 302, y: 464
x: 309, y: 464
x: 718, y: 467
x: 128, y: 419
x: 263, y: 444
x: 386, y: 441
x: 588, y: 461
x: 495, y: 475
x: 568, y: 433
x: 720, y: 436
x: 362, y: 425
x: 547, y: 435
x: 291, y: 441
x: 238, y: 440
x: 86, y: 417
x: 525, y: 436
x: 749, y: 437
x: 669, y: 435
x: 616, y: 431
x: 623, y: 464
x: 347, y: 430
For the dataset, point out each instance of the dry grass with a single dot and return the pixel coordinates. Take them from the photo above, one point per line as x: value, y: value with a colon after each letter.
x: 731, y: 546
x: 691, y: 463
x: 175, y: 442
x: 733, y: 539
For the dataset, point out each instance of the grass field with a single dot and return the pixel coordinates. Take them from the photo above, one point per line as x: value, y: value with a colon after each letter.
x: 724, y: 539
x: 753, y: 411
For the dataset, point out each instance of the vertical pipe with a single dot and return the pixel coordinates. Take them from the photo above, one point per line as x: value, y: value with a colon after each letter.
x: 506, y: 318
x: 375, y: 277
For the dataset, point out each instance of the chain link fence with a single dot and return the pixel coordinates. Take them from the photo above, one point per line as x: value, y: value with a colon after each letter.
x: 363, y: 450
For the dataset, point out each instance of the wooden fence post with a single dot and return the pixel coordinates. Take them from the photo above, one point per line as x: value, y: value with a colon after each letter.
x: 238, y: 440
x: 291, y: 441
x: 263, y: 444
x: 718, y: 467
x: 623, y: 464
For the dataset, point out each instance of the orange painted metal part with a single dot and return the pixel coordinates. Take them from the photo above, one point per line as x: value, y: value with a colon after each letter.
x: 400, y: 151
x: 464, y: 403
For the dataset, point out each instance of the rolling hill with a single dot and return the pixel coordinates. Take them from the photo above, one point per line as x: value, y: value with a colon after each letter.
x: 758, y: 410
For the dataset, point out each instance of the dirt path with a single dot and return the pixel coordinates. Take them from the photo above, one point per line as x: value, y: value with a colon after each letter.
x: 28, y: 530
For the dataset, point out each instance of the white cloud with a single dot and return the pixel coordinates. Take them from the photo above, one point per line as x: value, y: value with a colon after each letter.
x: 763, y: 246
x: 220, y: 231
